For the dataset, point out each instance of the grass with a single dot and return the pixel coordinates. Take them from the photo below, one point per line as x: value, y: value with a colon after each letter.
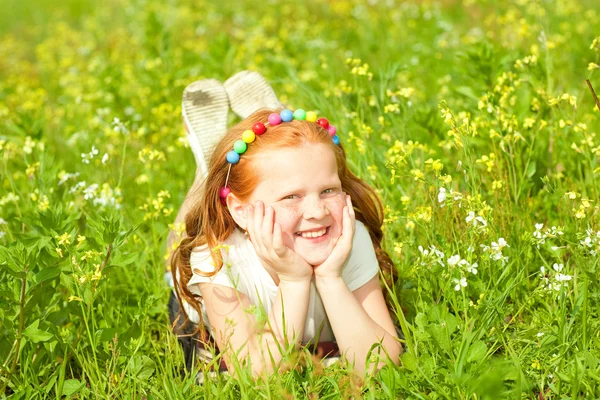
x: 472, y: 119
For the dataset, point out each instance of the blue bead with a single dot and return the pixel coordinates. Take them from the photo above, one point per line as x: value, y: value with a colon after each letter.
x: 336, y: 139
x: 233, y: 157
x: 286, y: 115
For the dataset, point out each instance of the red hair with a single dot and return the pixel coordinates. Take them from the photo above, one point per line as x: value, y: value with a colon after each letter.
x: 210, y: 223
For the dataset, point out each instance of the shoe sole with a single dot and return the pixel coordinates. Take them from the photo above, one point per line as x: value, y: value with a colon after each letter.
x: 204, y: 108
x: 249, y: 91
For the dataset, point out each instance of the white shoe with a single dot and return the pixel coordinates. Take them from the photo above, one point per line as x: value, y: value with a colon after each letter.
x: 249, y: 91
x: 204, y: 108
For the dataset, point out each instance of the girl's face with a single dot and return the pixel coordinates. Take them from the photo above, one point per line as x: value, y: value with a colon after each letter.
x: 303, y: 187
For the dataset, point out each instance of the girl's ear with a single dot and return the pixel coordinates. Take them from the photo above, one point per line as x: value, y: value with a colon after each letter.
x: 237, y: 210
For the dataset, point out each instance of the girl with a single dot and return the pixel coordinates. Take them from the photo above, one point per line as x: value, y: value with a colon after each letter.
x: 284, y: 227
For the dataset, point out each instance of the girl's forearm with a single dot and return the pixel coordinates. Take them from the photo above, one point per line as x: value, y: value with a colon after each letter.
x: 354, y: 330
x: 285, y: 326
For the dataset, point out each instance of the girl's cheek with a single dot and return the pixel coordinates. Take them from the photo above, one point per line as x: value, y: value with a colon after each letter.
x: 336, y: 205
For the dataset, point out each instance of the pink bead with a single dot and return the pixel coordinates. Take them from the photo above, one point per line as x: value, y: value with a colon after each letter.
x: 274, y: 119
x: 259, y: 128
x: 224, y: 192
x: 331, y: 130
x: 323, y: 122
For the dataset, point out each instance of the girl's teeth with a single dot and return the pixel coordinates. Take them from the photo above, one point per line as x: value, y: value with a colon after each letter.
x: 313, y: 234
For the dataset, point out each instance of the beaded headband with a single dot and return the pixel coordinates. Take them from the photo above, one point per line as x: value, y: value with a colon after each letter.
x: 248, y: 136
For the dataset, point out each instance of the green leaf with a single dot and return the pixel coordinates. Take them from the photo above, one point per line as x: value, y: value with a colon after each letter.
x: 47, y: 274
x: 142, y: 367
x: 409, y: 361
x: 72, y: 386
x: 36, y: 335
x: 531, y: 169
x: 476, y: 351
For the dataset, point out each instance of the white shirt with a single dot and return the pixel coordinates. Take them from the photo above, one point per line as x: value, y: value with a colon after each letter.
x: 243, y: 271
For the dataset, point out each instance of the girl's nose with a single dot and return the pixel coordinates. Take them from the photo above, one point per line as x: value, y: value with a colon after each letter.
x: 315, y: 209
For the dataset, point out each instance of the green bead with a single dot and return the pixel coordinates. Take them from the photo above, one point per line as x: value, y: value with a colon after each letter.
x: 240, y: 146
x: 300, y: 114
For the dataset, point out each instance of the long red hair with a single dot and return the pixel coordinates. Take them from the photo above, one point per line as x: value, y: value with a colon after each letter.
x: 210, y: 223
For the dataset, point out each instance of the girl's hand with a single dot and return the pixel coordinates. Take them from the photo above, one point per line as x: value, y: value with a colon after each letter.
x: 267, y: 240
x: 332, y: 267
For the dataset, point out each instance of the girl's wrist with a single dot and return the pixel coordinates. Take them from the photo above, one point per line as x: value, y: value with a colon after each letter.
x: 328, y: 281
x: 294, y: 280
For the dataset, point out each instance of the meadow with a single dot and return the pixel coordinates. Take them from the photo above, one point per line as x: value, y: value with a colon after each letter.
x: 472, y: 119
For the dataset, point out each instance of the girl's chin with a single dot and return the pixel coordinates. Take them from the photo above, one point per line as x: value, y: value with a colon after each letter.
x: 315, y: 257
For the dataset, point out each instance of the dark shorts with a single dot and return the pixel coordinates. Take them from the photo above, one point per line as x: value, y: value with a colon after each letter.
x: 199, y: 347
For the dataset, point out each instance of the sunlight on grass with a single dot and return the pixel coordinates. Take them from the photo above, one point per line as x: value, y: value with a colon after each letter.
x: 472, y: 119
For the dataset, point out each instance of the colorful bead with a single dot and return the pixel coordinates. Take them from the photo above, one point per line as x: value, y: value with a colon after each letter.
x: 248, y: 136
x: 331, y: 130
x: 274, y: 119
x: 323, y: 122
x: 240, y: 146
x: 286, y: 115
x: 300, y: 114
x: 233, y: 157
x: 336, y: 139
x: 311, y: 116
x: 224, y: 192
x: 259, y: 128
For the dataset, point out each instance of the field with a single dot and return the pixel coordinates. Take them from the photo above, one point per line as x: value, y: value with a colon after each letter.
x: 472, y: 119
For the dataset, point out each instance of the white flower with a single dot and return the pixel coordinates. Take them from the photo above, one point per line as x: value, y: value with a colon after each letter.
x: 442, y: 195
x: 425, y: 252
x: 473, y: 268
x: 452, y: 261
x: 543, y: 270
x: 557, y: 267
x: 90, y: 191
x: 538, y: 226
x: 481, y: 220
x: 563, y: 277
x: 460, y: 283
x: 540, y: 334
x: 104, y: 158
x: 470, y: 217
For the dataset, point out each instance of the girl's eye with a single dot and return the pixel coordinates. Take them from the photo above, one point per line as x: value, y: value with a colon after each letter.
x: 290, y: 197
x: 329, y: 191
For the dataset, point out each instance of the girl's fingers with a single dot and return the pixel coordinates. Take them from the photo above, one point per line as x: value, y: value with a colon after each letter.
x: 258, y: 222
x: 278, y: 245
x: 351, y: 212
x: 267, y: 227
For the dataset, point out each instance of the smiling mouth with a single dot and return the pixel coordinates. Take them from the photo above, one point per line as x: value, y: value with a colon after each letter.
x: 312, y: 234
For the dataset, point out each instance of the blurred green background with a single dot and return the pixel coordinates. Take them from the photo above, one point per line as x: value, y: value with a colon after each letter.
x: 471, y: 118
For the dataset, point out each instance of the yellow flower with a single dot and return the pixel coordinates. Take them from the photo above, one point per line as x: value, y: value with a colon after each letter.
x: 65, y: 238
x: 417, y: 173
x: 97, y: 273
x: 59, y: 251
x: 447, y: 179
x: 496, y: 185
x: 398, y: 247
x: 571, y: 195
x: 31, y: 169
x: 44, y: 203
x: 75, y: 298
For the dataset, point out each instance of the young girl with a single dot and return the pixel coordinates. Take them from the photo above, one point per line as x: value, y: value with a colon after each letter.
x: 284, y: 227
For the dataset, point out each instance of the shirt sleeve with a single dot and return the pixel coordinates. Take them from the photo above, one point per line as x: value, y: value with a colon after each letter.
x: 362, y: 264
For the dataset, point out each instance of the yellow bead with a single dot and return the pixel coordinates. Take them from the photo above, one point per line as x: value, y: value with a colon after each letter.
x: 248, y: 136
x: 311, y: 116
